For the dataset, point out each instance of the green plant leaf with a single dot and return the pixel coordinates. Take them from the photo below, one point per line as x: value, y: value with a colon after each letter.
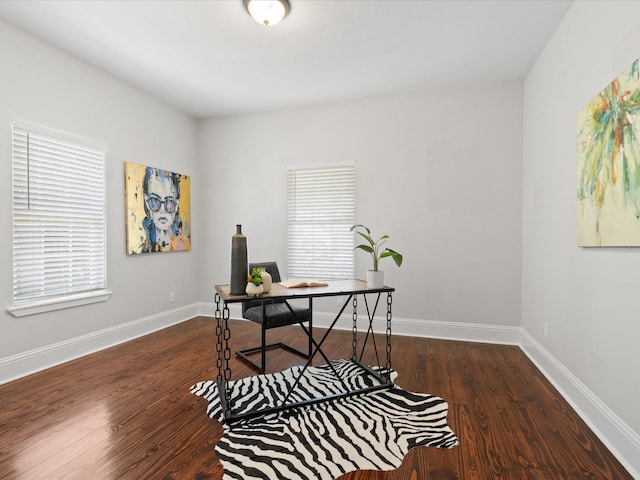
x: 393, y: 254
x: 367, y: 238
x: 360, y: 226
x: 366, y: 248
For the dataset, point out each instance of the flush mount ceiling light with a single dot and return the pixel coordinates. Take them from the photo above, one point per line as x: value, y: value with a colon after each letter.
x: 267, y: 12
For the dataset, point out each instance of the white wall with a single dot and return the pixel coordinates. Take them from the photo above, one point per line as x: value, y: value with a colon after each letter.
x: 439, y: 172
x: 44, y: 86
x: 589, y: 296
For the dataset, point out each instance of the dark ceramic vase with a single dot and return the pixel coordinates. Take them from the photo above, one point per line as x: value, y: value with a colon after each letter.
x: 239, y: 264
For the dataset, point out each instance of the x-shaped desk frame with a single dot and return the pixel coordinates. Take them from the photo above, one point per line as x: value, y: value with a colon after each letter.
x: 351, y: 289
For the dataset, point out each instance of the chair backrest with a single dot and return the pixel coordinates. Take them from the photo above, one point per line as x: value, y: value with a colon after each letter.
x: 269, y: 267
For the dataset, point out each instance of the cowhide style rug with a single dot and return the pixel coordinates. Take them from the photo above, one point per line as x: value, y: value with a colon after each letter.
x: 371, y: 431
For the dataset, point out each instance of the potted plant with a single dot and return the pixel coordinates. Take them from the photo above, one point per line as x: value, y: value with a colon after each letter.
x: 375, y: 277
x: 254, y: 282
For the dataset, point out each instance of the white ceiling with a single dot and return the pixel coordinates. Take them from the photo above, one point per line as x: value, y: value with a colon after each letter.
x: 209, y: 58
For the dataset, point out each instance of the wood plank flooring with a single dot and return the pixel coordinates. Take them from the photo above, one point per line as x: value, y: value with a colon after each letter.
x: 126, y: 412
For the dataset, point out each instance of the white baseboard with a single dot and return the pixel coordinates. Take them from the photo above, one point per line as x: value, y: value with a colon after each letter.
x: 620, y: 439
x: 32, y: 361
x: 470, y: 332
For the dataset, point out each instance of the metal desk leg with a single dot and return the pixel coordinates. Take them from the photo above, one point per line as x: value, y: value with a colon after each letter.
x: 389, y: 301
x: 223, y: 354
x: 218, y: 316
x: 354, y: 329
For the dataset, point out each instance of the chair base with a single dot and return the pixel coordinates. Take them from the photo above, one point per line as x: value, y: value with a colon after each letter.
x: 244, y: 354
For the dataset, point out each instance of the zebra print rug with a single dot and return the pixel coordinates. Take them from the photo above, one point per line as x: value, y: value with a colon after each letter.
x: 372, y: 431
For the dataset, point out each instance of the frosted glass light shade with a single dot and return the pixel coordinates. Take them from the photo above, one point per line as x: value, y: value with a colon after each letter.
x: 267, y: 12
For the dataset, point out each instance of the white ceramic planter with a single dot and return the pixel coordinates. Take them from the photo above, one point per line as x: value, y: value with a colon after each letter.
x: 266, y: 281
x: 253, y: 289
x: 375, y: 278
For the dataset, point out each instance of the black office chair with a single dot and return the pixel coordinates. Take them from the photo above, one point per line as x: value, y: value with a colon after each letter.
x: 273, y: 313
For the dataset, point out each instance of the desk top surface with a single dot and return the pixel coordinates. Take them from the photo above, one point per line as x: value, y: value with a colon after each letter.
x: 334, y: 288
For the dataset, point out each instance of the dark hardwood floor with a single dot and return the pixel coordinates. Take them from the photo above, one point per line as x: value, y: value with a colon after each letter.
x: 126, y: 412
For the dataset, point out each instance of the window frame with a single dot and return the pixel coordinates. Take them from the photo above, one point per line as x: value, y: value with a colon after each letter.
x: 335, y: 262
x: 22, y: 183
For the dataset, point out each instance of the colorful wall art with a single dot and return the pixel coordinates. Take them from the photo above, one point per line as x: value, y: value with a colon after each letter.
x: 158, y: 210
x: 608, y: 203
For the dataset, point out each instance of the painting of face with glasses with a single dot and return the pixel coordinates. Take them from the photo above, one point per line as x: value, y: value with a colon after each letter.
x: 158, y: 210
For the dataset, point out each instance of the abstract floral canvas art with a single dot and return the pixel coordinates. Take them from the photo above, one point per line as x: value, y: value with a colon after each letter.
x: 608, y: 193
x: 158, y: 206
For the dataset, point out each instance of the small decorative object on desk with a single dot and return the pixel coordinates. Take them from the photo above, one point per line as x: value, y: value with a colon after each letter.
x: 254, y: 282
x: 266, y: 281
x: 375, y: 278
x: 239, y: 264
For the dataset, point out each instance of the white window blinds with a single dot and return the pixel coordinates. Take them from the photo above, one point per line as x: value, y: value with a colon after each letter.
x: 321, y: 207
x: 58, y: 214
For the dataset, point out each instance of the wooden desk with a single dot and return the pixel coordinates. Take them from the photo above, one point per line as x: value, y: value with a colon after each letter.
x: 351, y: 290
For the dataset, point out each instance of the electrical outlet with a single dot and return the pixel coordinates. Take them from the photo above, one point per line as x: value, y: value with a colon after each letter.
x: 172, y: 297
x: 546, y: 330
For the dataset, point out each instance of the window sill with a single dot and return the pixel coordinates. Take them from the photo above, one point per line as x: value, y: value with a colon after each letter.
x: 58, y: 303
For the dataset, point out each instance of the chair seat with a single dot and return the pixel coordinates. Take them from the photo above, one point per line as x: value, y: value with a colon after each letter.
x: 277, y: 315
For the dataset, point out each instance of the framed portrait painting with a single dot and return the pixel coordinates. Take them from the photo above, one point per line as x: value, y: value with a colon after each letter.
x: 158, y: 204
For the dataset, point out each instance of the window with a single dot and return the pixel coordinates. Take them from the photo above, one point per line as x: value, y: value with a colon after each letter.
x: 59, y: 232
x: 321, y: 207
